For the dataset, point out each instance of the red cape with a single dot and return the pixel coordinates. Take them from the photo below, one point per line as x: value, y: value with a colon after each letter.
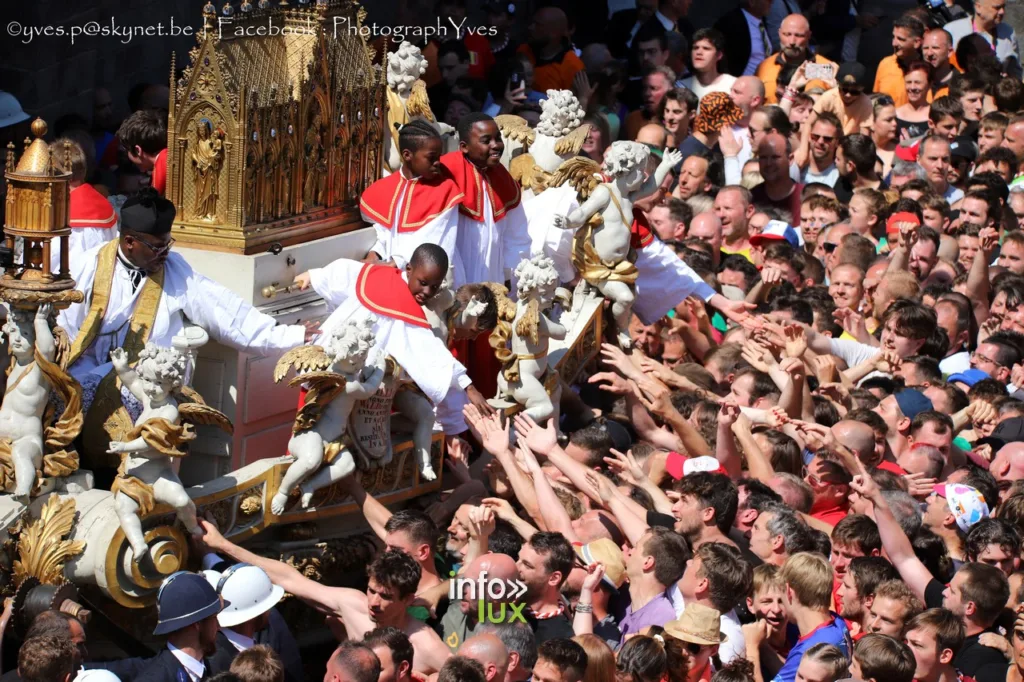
x: 381, y: 289
x: 421, y: 201
x: 159, y: 180
x: 89, y: 208
x: 501, y: 189
x: 640, y: 230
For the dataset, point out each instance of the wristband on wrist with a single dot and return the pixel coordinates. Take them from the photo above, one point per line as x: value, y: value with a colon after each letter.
x: 584, y: 608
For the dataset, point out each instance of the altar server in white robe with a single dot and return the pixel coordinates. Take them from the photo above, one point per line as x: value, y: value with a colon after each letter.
x: 91, y: 216
x: 396, y: 298
x: 493, y: 235
x: 137, y: 290
x: 417, y: 205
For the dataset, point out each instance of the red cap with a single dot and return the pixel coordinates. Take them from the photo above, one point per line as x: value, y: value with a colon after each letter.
x: 901, y: 217
x: 907, y: 153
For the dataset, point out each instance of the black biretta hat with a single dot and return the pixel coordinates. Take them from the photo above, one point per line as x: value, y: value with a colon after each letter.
x: 146, y: 212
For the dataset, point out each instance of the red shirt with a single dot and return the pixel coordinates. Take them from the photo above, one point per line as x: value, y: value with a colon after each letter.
x: 790, y: 204
x: 832, y: 515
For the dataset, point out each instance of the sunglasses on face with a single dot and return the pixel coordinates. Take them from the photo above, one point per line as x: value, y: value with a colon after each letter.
x: 850, y: 91
x: 829, y: 247
x: 821, y: 138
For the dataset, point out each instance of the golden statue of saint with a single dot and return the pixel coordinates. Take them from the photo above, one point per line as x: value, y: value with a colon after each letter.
x: 207, y: 160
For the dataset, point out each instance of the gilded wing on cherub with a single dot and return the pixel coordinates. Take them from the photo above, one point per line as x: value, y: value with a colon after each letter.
x: 516, y: 128
x: 200, y: 413
x: 521, y: 170
x: 529, y: 324
x: 582, y: 173
x: 502, y: 332
x: 321, y: 389
x: 573, y: 142
x: 303, y: 359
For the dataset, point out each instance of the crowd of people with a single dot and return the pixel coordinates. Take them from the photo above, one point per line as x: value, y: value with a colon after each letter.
x: 829, y: 485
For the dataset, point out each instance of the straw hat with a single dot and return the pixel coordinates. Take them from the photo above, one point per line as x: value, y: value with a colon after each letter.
x: 699, y: 624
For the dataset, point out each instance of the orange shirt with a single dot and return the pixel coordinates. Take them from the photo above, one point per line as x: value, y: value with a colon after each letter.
x: 768, y: 71
x: 889, y: 79
x: 553, y: 75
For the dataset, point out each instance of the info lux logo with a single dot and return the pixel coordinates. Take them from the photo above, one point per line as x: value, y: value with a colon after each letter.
x: 495, y: 597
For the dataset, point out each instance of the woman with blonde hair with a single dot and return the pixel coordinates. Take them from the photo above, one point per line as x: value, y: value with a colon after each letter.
x: 600, y: 658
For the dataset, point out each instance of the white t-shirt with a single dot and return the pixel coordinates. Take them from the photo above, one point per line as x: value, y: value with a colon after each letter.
x: 721, y: 84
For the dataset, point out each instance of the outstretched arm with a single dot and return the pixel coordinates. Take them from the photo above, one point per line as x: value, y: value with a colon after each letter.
x: 895, y: 542
x: 599, y: 198
x: 364, y: 389
x: 339, y: 601
x: 668, y: 162
x: 375, y: 513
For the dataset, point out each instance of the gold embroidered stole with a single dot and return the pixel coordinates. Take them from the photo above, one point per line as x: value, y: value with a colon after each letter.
x: 107, y: 418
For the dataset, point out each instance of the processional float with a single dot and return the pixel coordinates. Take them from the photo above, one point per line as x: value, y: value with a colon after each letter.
x: 271, y: 140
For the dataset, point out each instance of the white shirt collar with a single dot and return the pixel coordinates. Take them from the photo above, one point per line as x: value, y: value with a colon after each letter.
x: 195, y: 669
x: 665, y: 21
x: 240, y: 642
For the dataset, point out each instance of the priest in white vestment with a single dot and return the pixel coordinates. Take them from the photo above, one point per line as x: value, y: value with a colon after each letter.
x: 137, y: 284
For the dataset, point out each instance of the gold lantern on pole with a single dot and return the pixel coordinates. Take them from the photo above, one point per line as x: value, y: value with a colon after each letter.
x: 37, y: 211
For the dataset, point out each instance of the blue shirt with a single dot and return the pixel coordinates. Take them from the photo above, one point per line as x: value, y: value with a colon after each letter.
x: 833, y: 631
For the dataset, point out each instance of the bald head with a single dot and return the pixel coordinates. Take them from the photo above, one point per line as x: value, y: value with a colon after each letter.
x: 499, y: 566
x: 1008, y: 464
x: 794, y: 37
x: 858, y: 437
x: 489, y: 651
x: 549, y: 25
x: 653, y: 134
x: 747, y: 93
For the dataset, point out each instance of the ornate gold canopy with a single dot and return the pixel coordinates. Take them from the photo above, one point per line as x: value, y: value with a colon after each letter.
x: 276, y: 126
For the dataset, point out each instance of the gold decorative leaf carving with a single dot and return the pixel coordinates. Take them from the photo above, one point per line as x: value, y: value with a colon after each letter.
x: 42, y: 549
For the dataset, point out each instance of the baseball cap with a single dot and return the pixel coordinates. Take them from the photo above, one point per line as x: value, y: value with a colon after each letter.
x: 963, y: 147
x: 609, y: 554
x: 852, y: 74
x: 677, y: 466
x: 912, y: 402
x: 892, y: 225
x: 777, y: 230
x: 965, y: 503
x: 1006, y: 432
x: 969, y: 377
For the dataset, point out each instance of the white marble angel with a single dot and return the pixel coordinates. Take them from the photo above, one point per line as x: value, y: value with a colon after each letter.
x: 336, y: 379
x: 525, y: 363
x: 407, y: 100
x: 146, y: 475
x: 27, y: 439
x: 550, y: 173
x: 602, y: 251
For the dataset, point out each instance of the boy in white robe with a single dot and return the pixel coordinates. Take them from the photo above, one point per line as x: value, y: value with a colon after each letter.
x: 396, y: 298
x: 417, y: 205
x: 493, y: 235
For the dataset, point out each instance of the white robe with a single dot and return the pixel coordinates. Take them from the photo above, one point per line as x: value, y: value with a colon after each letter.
x: 664, y: 282
x: 219, y: 311
x: 422, y: 356
x: 544, y: 236
x: 398, y: 246
x: 489, y: 251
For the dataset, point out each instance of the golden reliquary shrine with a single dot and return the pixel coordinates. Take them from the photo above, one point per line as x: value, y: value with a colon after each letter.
x: 276, y: 125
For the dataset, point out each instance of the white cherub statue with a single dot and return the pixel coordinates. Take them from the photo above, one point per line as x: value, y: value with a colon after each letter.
x: 602, y: 251
x: 26, y: 439
x: 525, y: 364
x: 337, y: 378
x: 146, y: 475
x: 407, y: 100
